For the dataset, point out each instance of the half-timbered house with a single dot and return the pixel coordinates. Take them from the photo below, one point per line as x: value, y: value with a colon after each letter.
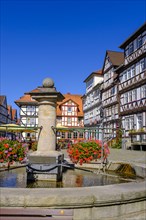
x: 132, y: 86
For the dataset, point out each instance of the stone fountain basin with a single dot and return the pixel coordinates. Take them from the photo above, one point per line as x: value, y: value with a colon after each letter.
x: 125, y: 201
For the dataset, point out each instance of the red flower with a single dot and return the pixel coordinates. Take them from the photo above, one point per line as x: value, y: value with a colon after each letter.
x: 84, y: 152
x: 6, y: 145
x: 20, y: 159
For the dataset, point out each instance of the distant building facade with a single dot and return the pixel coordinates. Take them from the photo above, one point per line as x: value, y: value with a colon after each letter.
x: 110, y: 95
x: 69, y: 114
x: 92, y: 102
x: 3, y: 110
x: 8, y: 115
x: 123, y: 93
x: 132, y: 84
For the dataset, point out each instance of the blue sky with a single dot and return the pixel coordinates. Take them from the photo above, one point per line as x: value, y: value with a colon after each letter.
x: 62, y: 40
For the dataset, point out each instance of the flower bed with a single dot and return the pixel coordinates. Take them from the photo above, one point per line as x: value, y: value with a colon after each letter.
x: 87, y: 151
x: 12, y: 151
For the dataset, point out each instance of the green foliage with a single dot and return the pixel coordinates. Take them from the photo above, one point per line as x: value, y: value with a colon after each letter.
x: 117, y: 143
x: 34, y: 145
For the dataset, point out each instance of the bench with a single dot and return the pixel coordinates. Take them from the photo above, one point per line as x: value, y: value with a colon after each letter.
x: 35, y: 214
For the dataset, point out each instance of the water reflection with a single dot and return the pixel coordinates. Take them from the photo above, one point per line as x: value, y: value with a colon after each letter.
x: 17, y: 178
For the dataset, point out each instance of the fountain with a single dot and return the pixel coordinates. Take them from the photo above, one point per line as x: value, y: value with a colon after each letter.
x: 116, y: 201
x: 44, y: 163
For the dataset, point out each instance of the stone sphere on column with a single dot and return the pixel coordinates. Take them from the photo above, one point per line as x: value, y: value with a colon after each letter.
x: 48, y: 83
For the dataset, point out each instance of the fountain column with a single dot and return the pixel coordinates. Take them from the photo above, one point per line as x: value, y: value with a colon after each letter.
x: 46, y: 157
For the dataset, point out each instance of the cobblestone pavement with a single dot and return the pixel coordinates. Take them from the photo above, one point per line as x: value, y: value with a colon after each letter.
x: 133, y: 156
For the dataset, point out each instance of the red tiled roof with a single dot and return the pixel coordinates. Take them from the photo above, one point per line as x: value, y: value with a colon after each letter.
x: 14, y: 112
x: 25, y: 99
x: 9, y: 108
x: 98, y: 72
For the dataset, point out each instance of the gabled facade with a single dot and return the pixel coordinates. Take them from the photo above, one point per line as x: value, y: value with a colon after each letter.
x: 28, y: 113
x: 92, y: 100
x: 3, y: 110
x: 69, y: 111
x: 110, y: 98
x: 70, y: 114
x: 132, y: 83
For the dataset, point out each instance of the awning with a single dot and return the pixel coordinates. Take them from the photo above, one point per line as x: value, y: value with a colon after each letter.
x: 16, y: 128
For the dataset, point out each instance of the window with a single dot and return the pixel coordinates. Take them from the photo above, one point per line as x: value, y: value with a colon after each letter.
x: 143, y: 91
x: 30, y: 110
x: 28, y: 121
x: 133, y: 71
x: 113, y: 91
x: 121, y: 77
x: 129, y: 122
x: 32, y: 121
x: 75, y: 134
x: 142, y: 66
x: 69, y: 135
x: 68, y: 120
x: 96, y: 94
x: 130, y: 96
x: 134, y: 95
x: 69, y: 109
x: 125, y: 75
x: 63, y: 135
x: 81, y: 135
x: 126, y: 51
x: 129, y: 73
x: 126, y: 98
x: 139, y: 121
x: 131, y: 48
x: 139, y: 41
x: 89, y: 84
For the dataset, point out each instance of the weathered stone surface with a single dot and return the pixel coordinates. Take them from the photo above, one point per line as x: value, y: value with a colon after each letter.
x: 112, y: 202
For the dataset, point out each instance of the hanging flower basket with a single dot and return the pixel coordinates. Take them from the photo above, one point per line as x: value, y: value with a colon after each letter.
x: 87, y: 151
